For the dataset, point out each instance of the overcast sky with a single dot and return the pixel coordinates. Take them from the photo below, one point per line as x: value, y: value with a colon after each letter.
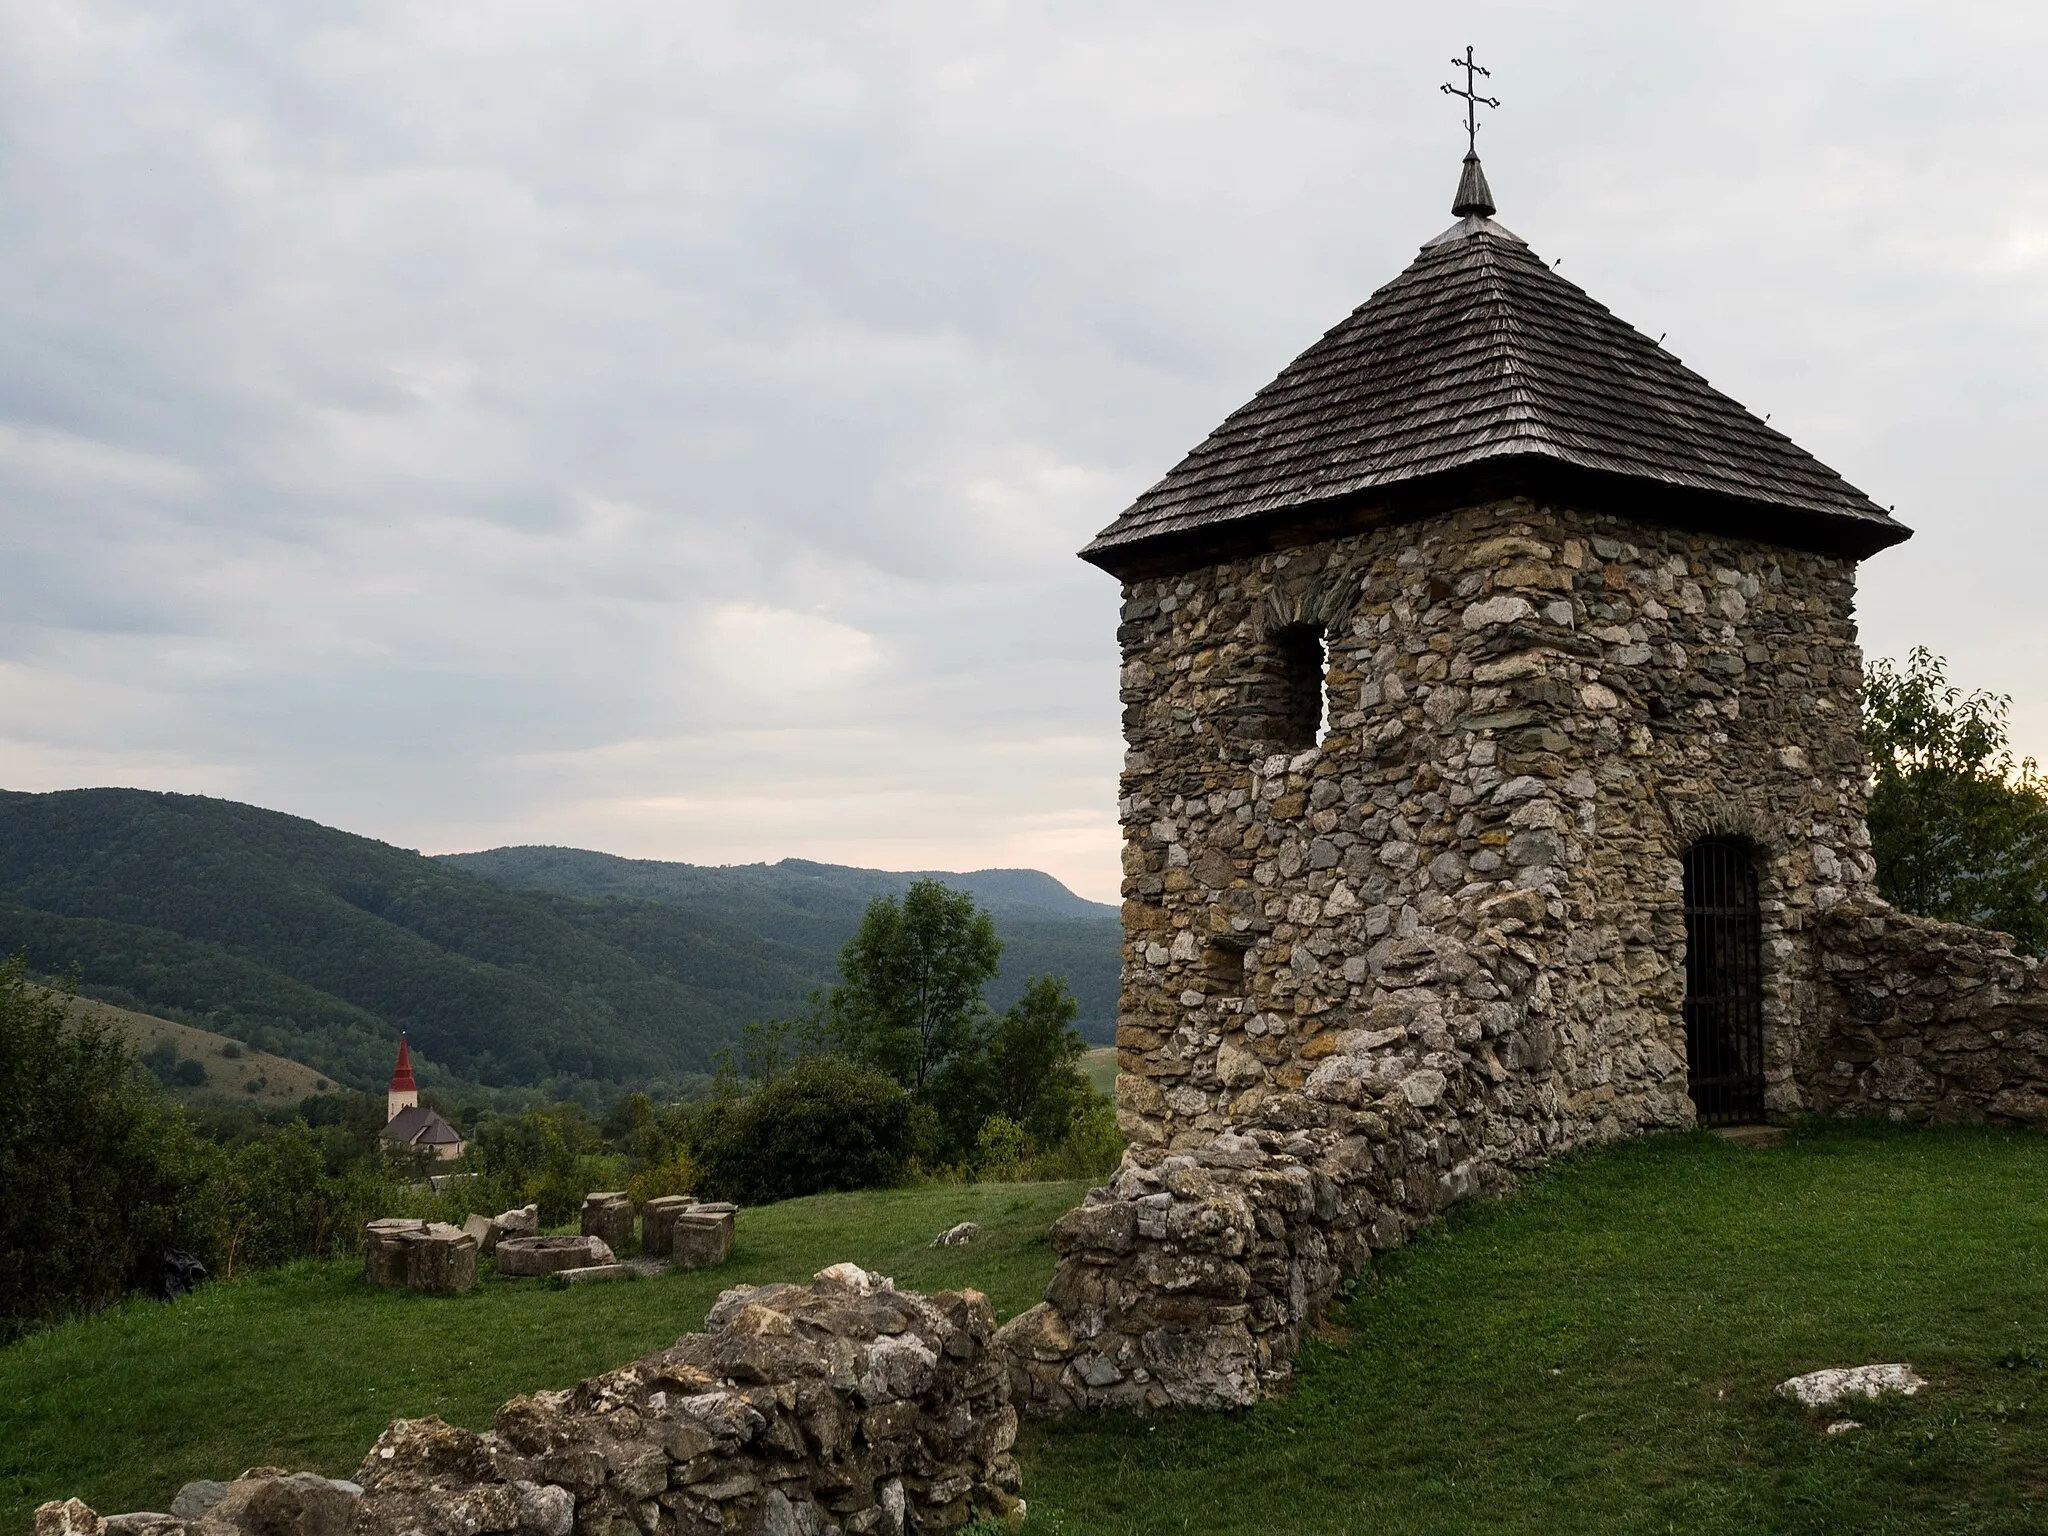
x: 667, y: 427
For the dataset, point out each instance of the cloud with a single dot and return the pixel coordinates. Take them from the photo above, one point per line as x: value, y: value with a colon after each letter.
x: 669, y: 427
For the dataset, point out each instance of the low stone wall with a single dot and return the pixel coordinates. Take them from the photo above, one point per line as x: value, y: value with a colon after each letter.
x: 1933, y: 1022
x: 842, y: 1406
x: 1188, y: 1280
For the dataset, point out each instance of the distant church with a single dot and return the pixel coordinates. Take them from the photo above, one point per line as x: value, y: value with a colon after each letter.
x: 410, y: 1125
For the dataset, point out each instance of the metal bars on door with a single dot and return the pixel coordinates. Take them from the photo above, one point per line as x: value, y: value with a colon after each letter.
x: 1724, y: 991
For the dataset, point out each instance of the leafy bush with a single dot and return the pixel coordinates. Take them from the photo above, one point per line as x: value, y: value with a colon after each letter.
x: 825, y: 1124
x: 677, y: 1176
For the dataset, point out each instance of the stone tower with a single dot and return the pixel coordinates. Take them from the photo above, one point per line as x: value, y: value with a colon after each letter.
x: 403, y: 1093
x: 1482, y: 657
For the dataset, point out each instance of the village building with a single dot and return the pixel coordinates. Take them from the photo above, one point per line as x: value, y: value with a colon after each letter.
x: 408, y: 1123
x: 1492, y: 787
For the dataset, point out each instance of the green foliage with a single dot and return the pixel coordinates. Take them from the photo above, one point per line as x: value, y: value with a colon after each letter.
x: 90, y: 1181
x: 909, y: 1000
x: 824, y: 1124
x: 1034, y: 1057
x: 1958, y: 828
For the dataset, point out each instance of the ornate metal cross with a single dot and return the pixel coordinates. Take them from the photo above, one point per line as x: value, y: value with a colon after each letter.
x: 1473, y: 100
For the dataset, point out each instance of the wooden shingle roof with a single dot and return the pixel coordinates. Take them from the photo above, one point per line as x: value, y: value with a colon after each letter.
x: 1480, y: 372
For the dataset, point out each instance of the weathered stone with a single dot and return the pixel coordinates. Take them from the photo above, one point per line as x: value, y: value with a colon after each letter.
x: 958, y: 1234
x: 522, y: 1222
x: 890, y: 1413
x: 485, y: 1231
x: 1824, y: 1389
x: 293, y: 1504
x: 657, y: 1224
x: 419, y: 1256
x: 522, y: 1256
x: 608, y: 1216
x: 196, y: 1498
x: 703, y: 1236
x: 590, y: 1272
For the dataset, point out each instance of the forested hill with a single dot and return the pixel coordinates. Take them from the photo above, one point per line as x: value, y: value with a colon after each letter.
x: 815, y: 908
x: 320, y: 945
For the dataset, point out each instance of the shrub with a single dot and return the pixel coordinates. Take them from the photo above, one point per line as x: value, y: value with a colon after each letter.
x: 825, y: 1124
x: 677, y: 1176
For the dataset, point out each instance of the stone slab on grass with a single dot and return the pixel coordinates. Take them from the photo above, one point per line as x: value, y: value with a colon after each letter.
x: 599, y: 1272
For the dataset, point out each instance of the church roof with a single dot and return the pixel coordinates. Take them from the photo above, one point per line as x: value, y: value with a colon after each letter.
x: 418, y: 1126
x: 1480, y: 372
x: 401, y: 1075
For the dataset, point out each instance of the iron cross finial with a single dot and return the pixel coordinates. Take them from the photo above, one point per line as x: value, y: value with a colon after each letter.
x: 1473, y: 100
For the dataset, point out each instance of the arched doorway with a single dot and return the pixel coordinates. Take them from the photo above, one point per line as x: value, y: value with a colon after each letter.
x: 1724, y: 973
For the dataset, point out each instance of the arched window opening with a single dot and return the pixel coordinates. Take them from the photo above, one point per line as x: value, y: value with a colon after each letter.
x: 1304, y: 715
x: 1724, y: 994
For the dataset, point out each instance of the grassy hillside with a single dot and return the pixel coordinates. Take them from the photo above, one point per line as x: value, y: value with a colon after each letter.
x: 1595, y: 1354
x: 808, y: 909
x: 235, y: 1073
x: 1100, y: 1065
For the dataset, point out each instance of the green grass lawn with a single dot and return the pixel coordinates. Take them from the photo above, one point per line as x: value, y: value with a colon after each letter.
x: 1595, y: 1354
x: 1598, y: 1353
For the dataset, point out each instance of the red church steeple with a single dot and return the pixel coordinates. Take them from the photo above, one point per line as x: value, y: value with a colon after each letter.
x: 404, y: 1092
x: 401, y: 1075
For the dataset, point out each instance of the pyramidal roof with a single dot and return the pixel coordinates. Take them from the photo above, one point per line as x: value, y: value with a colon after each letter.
x: 1480, y: 372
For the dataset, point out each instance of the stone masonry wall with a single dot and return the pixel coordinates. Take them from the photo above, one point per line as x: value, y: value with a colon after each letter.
x: 842, y: 1406
x: 1369, y: 977
x: 1931, y: 1022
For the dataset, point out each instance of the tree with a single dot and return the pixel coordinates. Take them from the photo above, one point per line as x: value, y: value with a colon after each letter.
x: 910, y: 999
x: 1034, y: 1058
x: 824, y: 1123
x: 90, y: 1166
x: 1958, y: 828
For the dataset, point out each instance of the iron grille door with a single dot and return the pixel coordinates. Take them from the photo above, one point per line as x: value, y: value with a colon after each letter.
x: 1724, y: 1004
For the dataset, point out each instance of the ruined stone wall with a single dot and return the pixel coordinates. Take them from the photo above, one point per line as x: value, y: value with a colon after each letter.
x: 1930, y: 1022
x: 840, y: 1408
x: 1368, y: 977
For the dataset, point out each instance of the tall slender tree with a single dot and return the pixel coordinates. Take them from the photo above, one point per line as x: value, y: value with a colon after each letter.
x: 909, y: 1001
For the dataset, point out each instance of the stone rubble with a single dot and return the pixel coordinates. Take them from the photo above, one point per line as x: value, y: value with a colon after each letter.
x: 959, y: 1233
x: 840, y: 1408
x: 1824, y: 1389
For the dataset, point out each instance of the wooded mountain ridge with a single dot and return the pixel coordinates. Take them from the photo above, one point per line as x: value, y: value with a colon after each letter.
x: 556, y: 969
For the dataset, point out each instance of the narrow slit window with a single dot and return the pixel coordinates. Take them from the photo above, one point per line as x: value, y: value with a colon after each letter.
x: 1305, y: 704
